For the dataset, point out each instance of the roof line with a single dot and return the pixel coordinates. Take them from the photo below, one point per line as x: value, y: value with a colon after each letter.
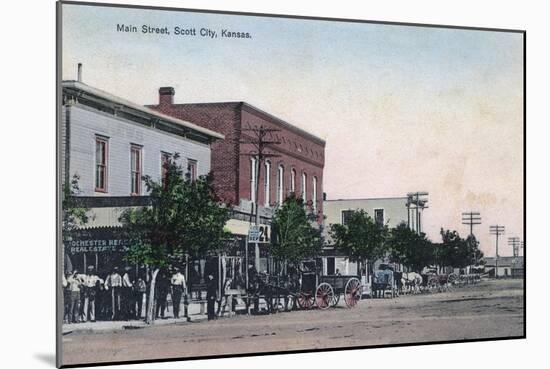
x: 369, y: 198
x: 273, y: 118
x: 119, y: 100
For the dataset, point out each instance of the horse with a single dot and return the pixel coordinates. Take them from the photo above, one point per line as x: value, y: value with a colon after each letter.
x: 412, y: 282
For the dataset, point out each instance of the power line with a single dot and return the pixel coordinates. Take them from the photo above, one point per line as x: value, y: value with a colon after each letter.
x: 471, y: 218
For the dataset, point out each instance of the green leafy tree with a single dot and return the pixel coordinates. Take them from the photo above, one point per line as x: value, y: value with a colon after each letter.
x: 74, y: 214
x: 360, y: 238
x: 457, y: 252
x: 409, y: 248
x: 184, y: 218
x: 294, y: 236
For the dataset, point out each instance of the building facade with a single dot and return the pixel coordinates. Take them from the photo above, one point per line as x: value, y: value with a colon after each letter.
x: 110, y: 144
x: 385, y: 211
x: 297, y: 166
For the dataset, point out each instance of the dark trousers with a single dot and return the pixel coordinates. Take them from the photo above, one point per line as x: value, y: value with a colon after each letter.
x: 161, y: 305
x: 66, y: 305
x: 138, y: 299
x: 88, y: 309
x: 176, y: 301
x: 128, y: 303
x: 210, y: 307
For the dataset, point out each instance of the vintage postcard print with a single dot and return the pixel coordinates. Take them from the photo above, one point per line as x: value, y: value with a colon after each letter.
x: 237, y: 184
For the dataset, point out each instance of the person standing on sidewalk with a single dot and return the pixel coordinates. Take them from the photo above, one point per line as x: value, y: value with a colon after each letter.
x: 114, y: 283
x: 127, y: 296
x: 74, y: 282
x: 140, y: 288
x: 91, y: 285
x: 178, y: 288
x: 162, y: 288
x: 211, y: 290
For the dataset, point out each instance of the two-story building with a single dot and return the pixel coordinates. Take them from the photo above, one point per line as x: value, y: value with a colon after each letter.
x: 295, y: 165
x: 110, y: 143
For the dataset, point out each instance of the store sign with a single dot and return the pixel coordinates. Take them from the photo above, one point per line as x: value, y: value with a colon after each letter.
x: 96, y: 240
x: 259, y: 234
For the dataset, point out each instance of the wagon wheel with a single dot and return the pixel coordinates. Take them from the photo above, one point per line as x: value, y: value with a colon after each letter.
x: 452, y: 278
x: 305, y: 300
x: 433, y: 282
x: 352, y: 292
x: 324, y: 295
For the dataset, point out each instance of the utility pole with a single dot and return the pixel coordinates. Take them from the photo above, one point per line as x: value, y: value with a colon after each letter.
x: 497, y: 231
x: 515, y: 243
x: 472, y: 218
x: 261, y: 144
x: 419, y: 200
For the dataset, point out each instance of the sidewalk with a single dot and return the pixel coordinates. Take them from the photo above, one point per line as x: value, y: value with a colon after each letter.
x: 194, y: 312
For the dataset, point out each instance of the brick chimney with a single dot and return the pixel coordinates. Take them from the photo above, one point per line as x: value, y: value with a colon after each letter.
x: 166, y: 96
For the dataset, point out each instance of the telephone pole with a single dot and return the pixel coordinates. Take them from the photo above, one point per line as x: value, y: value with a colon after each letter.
x: 472, y: 218
x: 496, y: 230
x: 260, y: 144
x: 515, y: 243
x: 419, y: 200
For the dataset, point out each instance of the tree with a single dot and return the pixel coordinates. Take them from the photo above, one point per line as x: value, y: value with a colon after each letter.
x: 74, y: 214
x: 361, y: 237
x: 294, y: 236
x: 457, y: 252
x: 409, y: 248
x: 184, y: 218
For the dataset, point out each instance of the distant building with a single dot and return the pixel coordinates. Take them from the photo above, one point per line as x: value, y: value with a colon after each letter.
x: 110, y: 143
x: 385, y: 211
x: 508, y: 266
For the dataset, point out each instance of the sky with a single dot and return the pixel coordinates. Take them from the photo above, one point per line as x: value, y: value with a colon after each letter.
x: 402, y: 108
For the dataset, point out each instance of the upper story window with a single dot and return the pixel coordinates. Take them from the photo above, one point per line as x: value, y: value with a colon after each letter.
x: 135, y: 169
x: 304, y: 186
x: 267, y: 183
x: 101, y: 163
x: 164, y: 162
x: 379, y: 216
x: 192, y: 169
x: 280, y: 184
x: 346, y: 216
x: 314, y: 195
x: 253, y: 179
x: 292, y: 180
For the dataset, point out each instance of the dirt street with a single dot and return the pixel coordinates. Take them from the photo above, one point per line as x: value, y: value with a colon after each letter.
x: 489, y: 309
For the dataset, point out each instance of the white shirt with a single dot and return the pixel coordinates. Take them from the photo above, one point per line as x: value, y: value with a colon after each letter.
x: 178, y: 279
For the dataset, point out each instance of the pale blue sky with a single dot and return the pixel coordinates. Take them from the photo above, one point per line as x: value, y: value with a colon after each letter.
x: 401, y: 108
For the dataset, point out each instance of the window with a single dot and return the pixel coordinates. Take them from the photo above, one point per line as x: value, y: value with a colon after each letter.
x: 253, y: 179
x: 267, y: 183
x: 164, y: 161
x: 280, y: 184
x: 314, y: 196
x: 135, y: 170
x: 293, y: 180
x: 101, y: 161
x: 304, y: 186
x: 346, y: 216
x: 379, y: 216
x: 192, y: 169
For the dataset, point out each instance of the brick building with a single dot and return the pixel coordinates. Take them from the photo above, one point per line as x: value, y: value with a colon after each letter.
x: 297, y: 168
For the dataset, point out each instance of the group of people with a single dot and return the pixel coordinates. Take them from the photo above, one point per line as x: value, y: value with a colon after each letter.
x: 118, y: 296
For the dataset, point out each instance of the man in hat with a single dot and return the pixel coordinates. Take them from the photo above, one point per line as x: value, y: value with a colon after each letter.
x: 211, y: 290
x: 90, y: 288
x: 114, y: 283
x: 127, y: 296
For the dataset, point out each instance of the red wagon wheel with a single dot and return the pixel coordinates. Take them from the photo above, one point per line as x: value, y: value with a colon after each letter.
x: 305, y: 300
x: 324, y: 295
x: 352, y: 292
